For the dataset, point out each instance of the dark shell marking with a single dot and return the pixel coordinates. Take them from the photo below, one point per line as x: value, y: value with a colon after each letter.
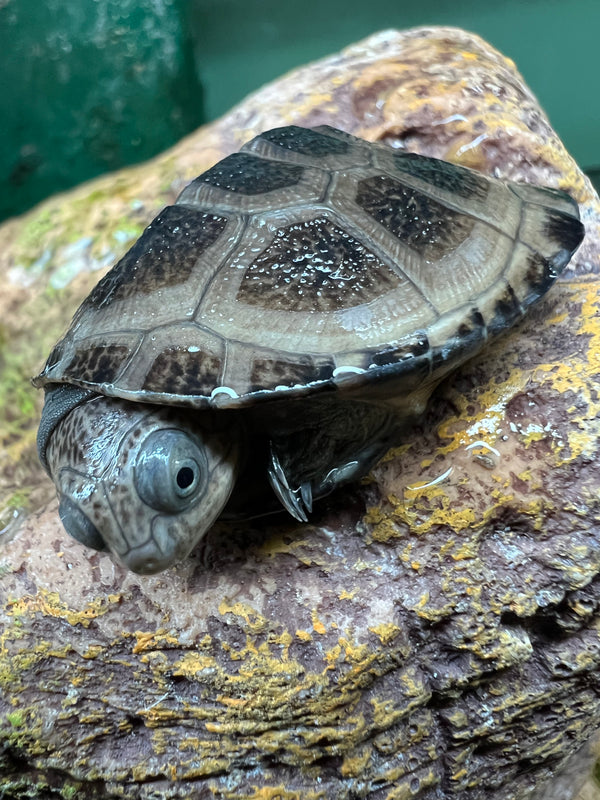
x: 449, y: 177
x: 176, y: 371
x: 164, y: 255
x: 287, y: 373
x: 312, y: 260
x: 314, y: 265
x: 560, y: 230
x: 97, y: 363
x: 419, y: 346
x: 422, y: 223
x: 248, y: 174
x: 306, y: 141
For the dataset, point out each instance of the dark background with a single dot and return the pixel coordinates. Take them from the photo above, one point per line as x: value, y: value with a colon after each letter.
x: 91, y: 86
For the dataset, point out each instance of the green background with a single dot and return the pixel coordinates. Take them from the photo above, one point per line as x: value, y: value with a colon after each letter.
x: 91, y: 86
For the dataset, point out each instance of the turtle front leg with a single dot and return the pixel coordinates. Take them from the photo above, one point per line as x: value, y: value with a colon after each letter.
x: 312, y: 460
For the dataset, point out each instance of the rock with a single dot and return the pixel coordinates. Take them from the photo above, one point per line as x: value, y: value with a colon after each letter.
x: 418, y: 639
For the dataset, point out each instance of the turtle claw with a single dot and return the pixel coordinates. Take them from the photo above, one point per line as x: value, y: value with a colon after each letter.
x: 297, y: 502
x: 307, y: 495
x: 338, y: 476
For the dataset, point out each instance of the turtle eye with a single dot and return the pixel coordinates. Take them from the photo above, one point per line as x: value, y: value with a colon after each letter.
x: 170, y: 470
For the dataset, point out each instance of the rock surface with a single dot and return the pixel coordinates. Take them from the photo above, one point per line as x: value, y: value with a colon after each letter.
x: 417, y: 639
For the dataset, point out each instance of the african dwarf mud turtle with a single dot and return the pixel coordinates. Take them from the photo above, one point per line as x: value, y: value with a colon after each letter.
x: 279, y: 324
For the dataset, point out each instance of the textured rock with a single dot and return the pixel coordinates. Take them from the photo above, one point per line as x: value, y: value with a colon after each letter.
x: 418, y: 639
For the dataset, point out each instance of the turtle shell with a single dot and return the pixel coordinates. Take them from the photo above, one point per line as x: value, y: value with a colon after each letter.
x: 313, y: 260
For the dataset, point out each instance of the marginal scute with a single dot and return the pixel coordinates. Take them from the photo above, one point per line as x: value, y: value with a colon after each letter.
x: 164, y: 255
x: 470, y: 336
x: 507, y: 310
x: 546, y: 196
x: 267, y: 373
x: 315, y: 265
x: 551, y: 231
x: 417, y: 346
x: 56, y: 355
x: 97, y: 364
x: 305, y: 141
x: 539, y: 274
x: 249, y: 174
x: 178, y: 371
x: 563, y: 230
x: 426, y: 226
x: 475, y: 323
x: 451, y: 178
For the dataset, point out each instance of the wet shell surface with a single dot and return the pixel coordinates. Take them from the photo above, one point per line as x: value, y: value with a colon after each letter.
x: 309, y: 260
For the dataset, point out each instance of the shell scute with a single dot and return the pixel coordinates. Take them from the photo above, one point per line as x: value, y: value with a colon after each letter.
x: 468, y: 338
x: 249, y: 174
x: 314, y: 265
x: 425, y: 225
x: 561, y: 232
x: 451, y: 178
x: 179, y: 371
x: 164, y: 255
x: 506, y: 310
x: 270, y: 372
x: 312, y: 260
x: 418, y: 346
x: 97, y: 363
x: 306, y: 141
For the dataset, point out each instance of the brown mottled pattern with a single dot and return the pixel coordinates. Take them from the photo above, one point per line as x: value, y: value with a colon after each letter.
x: 449, y: 177
x: 539, y: 273
x: 164, y: 255
x: 68, y: 441
x: 248, y: 174
x: 267, y: 373
x: 507, y: 310
x: 417, y: 346
x: 317, y: 266
x: 306, y: 141
x: 425, y: 225
x: 97, y: 363
x: 177, y: 371
x: 563, y: 230
x: 469, y: 338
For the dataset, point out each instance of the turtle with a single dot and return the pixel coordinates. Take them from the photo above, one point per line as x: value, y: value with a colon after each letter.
x: 273, y: 332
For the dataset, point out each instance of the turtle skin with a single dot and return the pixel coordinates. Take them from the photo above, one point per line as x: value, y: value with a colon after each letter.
x: 290, y: 313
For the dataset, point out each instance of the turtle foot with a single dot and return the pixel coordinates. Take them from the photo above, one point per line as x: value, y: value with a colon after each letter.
x: 297, y: 502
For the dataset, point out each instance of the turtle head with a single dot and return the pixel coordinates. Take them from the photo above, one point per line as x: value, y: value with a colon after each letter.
x: 145, y: 482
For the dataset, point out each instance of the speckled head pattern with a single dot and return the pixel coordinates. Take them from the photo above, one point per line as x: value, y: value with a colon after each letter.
x: 144, y: 482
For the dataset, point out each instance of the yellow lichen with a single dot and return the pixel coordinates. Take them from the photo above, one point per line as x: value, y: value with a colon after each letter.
x: 386, y: 632
x: 356, y: 763
x: 49, y: 604
x: 318, y: 626
x: 385, y: 531
x: 152, y: 640
x: 253, y: 621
